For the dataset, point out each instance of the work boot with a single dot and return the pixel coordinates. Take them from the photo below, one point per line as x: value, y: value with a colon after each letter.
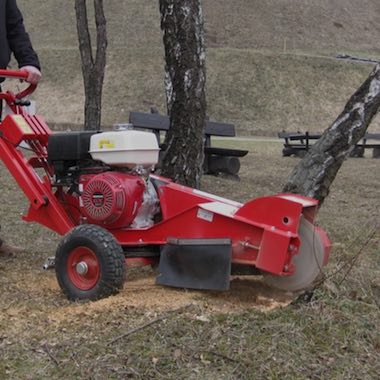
x: 9, y: 249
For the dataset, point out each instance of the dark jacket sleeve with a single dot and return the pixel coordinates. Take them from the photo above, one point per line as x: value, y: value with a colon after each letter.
x: 18, y: 38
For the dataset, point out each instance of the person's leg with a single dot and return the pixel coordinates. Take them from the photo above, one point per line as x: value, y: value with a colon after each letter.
x: 5, y: 247
x: 1, y: 108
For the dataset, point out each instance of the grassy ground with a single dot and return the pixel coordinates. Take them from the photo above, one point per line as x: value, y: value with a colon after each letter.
x: 250, y: 332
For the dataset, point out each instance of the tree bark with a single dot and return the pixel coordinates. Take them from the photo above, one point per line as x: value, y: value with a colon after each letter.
x: 185, y: 77
x: 317, y: 170
x: 92, y: 69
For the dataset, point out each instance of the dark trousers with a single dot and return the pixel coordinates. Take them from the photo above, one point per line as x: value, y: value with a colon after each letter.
x: 1, y: 111
x: 1, y: 106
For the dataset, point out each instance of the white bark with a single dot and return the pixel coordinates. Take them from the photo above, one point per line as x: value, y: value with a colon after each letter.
x: 317, y: 170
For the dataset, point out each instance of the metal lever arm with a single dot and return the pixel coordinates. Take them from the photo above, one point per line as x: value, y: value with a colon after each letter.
x: 17, y: 74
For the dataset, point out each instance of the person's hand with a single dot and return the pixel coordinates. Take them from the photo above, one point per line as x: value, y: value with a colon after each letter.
x: 34, y: 75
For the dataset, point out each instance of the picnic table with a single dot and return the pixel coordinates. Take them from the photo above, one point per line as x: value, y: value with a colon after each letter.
x: 298, y: 143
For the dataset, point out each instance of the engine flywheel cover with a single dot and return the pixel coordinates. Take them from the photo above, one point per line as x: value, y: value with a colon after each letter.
x: 110, y: 198
x: 103, y: 200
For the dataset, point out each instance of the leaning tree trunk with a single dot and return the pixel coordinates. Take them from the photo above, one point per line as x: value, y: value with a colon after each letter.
x: 93, y: 70
x: 183, y: 36
x: 315, y: 173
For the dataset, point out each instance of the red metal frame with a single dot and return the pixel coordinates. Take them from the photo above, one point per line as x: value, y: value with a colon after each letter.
x: 263, y: 232
x: 44, y: 206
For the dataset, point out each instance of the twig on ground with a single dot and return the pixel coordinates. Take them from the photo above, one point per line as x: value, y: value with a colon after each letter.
x: 51, y: 356
x: 147, y: 324
x: 351, y: 262
x: 224, y: 357
x: 9, y: 305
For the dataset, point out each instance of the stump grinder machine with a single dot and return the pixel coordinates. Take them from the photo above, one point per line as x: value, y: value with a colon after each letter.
x: 98, y: 190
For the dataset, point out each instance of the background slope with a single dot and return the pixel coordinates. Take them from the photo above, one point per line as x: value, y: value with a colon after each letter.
x: 270, y: 65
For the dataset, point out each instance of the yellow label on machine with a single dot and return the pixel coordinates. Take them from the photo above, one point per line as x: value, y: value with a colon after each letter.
x: 106, y: 144
x: 22, y: 124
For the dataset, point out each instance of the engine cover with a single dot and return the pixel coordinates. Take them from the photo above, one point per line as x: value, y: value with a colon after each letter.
x: 111, y: 199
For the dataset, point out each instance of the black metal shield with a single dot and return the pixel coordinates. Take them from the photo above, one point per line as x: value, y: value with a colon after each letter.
x: 196, y: 264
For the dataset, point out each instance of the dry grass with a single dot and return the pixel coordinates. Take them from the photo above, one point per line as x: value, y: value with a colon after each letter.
x: 250, y: 332
x: 261, y: 94
x: 258, y: 76
x: 346, y: 25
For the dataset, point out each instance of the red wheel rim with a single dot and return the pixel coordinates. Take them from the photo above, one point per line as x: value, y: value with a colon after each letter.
x: 83, y: 268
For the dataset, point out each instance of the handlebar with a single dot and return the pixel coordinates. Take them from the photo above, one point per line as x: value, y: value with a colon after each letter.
x: 17, y: 74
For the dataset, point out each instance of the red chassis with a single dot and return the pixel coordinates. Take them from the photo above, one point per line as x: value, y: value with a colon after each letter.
x: 275, y: 235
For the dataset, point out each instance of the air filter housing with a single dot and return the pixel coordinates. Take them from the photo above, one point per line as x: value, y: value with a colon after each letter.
x: 125, y: 148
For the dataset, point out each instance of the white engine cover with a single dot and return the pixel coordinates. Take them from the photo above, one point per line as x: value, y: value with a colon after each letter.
x: 125, y: 148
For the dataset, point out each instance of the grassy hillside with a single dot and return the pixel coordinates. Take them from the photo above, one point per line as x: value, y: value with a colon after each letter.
x: 308, y: 25
x: 270, y: 64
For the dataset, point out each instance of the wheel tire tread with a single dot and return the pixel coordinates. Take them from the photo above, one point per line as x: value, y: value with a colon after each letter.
x: 113, y: 270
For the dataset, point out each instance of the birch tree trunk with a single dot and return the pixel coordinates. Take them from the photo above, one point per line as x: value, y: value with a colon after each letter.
x: 92, y: 69
x: 185, y: 76
x: 317, y: 170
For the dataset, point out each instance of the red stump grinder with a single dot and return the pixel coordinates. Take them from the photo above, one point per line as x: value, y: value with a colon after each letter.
x: 97, y: 190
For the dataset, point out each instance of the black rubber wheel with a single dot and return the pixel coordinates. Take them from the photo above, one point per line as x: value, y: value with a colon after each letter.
x: 89, y: 263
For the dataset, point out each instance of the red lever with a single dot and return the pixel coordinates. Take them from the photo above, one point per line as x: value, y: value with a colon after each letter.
x: 18, y: 74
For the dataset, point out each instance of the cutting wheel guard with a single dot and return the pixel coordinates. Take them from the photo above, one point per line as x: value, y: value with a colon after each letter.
x: 308, y: 262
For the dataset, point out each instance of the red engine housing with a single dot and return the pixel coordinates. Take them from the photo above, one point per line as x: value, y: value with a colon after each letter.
x: 111, y: 199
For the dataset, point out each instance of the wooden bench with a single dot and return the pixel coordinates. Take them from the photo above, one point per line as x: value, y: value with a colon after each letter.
x: 298, y: 143
x: 360, y: 148
x: 217, y: 160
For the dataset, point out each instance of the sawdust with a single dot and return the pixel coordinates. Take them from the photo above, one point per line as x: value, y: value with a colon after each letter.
x: 38, y: 295
x: 142, y: 293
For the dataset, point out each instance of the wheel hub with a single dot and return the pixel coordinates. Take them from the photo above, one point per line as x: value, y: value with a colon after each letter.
x: 82, y: 268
